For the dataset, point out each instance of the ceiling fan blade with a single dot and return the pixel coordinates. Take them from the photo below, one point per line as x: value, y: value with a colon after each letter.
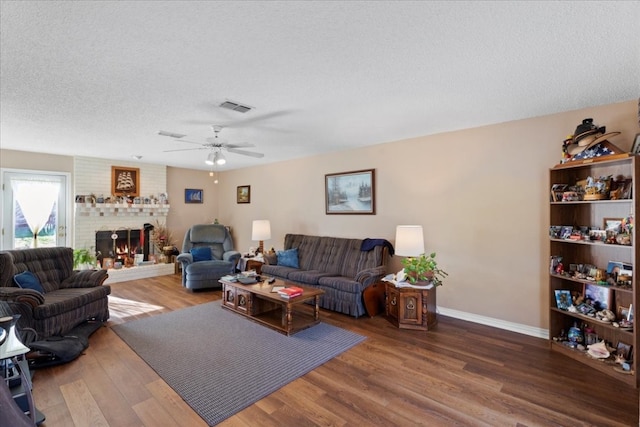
x: 242, y: 122
x: 254, y: 119
x: 241, y: 145
x: 185, y: 149
x: 245, y: 153
x: 190, y: 142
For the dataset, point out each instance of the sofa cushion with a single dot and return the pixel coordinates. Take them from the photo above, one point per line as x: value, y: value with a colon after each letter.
x: 51, y: 265
x: 69, y: 299
x: 341, y: 283
x: 209, y: 270
x: 28, y: 280
x: 278, y: 271
x: 202, y: 253
x: 307, y: 277
x: 288, y: 258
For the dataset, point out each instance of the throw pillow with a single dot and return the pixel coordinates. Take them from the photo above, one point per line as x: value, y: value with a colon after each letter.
x: 28, y: 280
x: 288, y: 258
x: 201, y: 254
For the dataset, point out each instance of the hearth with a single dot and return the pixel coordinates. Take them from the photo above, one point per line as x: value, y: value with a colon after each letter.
x: 123, y: 244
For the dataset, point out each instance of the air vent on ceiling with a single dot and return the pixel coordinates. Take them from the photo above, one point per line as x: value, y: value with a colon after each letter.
x: 230, y: 105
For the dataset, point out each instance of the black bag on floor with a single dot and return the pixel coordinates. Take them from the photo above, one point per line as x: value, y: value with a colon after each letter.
x: 61, y: 349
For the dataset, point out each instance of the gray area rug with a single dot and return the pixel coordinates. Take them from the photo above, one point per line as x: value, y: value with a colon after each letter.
x: 220, y: 362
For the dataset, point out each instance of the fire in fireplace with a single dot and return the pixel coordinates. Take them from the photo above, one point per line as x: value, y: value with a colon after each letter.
x: 123, y: 244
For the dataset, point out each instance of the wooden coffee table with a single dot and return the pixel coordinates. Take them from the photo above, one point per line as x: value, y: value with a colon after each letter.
x: 259, y: 304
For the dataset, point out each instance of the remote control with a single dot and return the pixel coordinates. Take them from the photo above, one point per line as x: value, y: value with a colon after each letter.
x: 271, y: 280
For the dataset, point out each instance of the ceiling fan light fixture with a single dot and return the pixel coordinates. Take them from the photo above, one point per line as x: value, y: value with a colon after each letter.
x: 210, y: 159
x: 219, y: 159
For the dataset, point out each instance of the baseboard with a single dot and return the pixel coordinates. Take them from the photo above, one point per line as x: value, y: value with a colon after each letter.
x: 496, y: 323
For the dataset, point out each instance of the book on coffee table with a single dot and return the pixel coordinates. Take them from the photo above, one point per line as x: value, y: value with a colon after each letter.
x: 290, y: 292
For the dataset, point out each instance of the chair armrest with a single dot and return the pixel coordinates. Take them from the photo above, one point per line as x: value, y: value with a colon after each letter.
x: 232, y: 256
x: 85, y: 279
x: 370, y: 275
x: 23, y: 296
x: 185, y: 259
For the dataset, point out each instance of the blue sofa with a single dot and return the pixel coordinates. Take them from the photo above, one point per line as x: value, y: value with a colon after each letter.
x: 342, y: 267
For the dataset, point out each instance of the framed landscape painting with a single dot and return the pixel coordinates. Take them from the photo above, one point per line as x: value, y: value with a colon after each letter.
x: 243, y: 194
x: 350, y: 192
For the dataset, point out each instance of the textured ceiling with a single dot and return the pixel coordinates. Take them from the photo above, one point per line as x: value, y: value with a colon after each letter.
x: 100, y: 79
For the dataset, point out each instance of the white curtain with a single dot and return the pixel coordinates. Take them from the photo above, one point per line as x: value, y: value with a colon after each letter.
x: 36, y: 198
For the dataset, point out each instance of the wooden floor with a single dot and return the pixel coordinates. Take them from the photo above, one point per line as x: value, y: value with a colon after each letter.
x: 458, y: 374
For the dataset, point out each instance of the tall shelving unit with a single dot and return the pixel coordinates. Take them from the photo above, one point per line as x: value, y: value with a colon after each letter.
x: 592, y: 213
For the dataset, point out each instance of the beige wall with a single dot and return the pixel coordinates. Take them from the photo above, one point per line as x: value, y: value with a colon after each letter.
x: 481, y: 195
x: 13, y: 159
x: 183, y: 215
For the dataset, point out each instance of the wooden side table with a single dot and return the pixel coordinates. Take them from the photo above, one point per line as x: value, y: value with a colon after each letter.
x: 411, y: 308
x: 253, y: 264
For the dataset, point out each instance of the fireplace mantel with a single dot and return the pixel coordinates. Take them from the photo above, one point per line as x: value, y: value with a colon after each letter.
x: 121, y: 209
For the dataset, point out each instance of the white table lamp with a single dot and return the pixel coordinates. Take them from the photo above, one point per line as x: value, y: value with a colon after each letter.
x: 409, y: 240
x: 12, y: 346
x: 261, y: 231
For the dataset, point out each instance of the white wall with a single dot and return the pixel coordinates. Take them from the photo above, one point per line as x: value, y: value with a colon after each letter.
x: 93, y: 176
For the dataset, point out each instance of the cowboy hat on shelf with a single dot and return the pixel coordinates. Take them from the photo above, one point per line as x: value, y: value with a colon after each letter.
x: 586, y: 136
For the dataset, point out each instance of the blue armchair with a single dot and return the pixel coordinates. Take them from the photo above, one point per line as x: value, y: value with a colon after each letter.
x: 207, y: 255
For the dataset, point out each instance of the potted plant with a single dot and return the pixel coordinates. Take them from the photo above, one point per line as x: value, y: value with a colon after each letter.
x: 83, y: 259
x: 423, y: 268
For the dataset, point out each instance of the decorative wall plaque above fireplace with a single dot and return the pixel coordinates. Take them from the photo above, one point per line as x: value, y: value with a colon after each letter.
x: 125, y: 181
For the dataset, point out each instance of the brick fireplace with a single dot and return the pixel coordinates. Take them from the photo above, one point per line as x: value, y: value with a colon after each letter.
x: 93, y: 176
x: 123, y: 243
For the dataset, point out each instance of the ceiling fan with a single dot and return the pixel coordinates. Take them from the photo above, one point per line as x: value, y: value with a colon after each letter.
x: 215, y: 146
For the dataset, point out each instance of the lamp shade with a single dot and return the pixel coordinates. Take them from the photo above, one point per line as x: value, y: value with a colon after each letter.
x: 261, y: 229
x: 210, y: 159
x: 12, y: 346
x: 409, y: 240
x: 219, y: 159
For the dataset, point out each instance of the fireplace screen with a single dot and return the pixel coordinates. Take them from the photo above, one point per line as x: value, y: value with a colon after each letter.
x: 122, y: 245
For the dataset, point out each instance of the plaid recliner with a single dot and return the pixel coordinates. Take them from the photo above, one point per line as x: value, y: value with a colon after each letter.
x: 70, y: 297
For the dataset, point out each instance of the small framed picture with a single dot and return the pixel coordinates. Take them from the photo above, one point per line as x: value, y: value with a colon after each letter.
x: 599, y: 295
x: 244, y: 194
x: 624, y: 313
x: 585, y: 309
x: 621, y: 189
x: 192, y: 195
x: 612, y: 224
x: 556, y: 192
x: 107, y: 263
x: 554, y: 231
x: 563, y: 299
x: 625, y: 350
x: 565, y: 231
